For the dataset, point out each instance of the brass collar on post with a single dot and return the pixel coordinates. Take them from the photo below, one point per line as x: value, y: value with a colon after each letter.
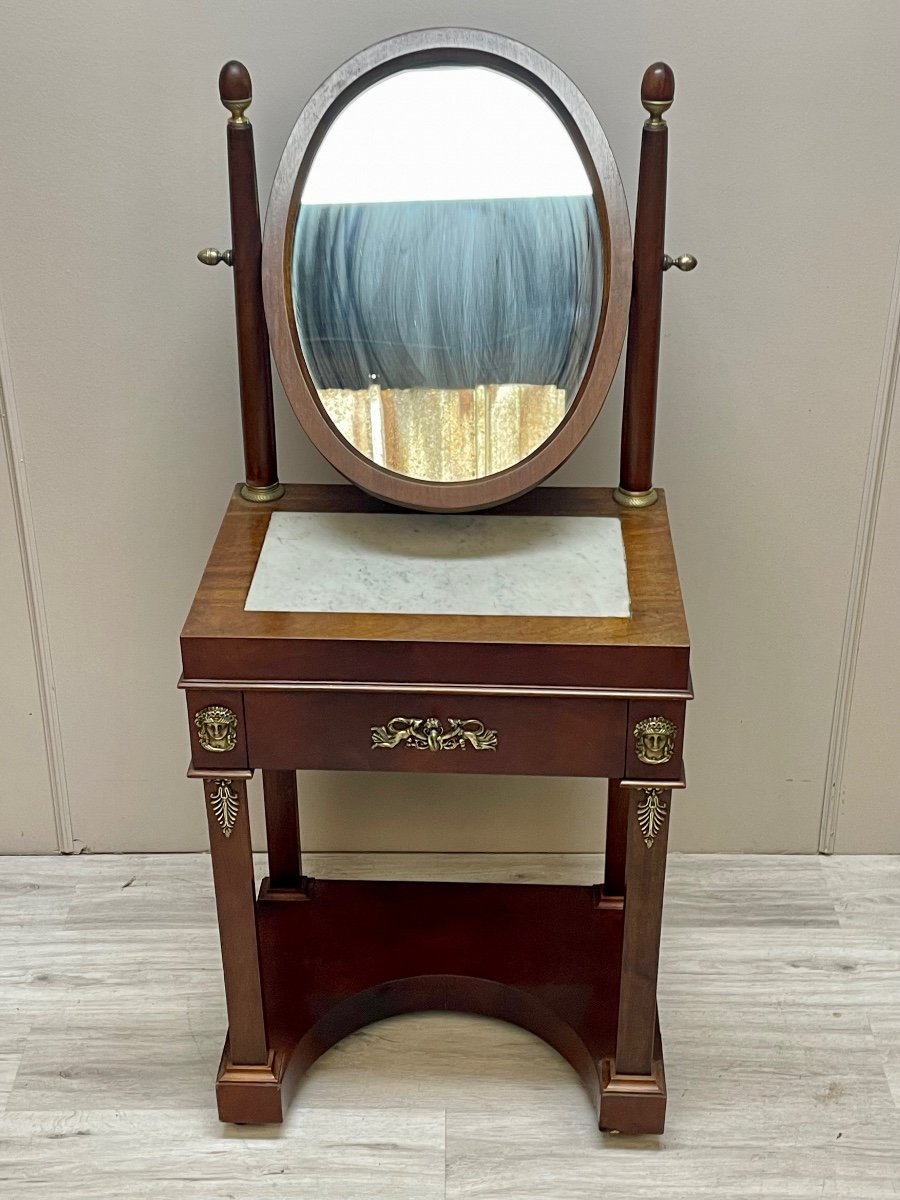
x: 656, y: 108
x: 237, y: 109
x: 635, y: 499
x: 262, y: 495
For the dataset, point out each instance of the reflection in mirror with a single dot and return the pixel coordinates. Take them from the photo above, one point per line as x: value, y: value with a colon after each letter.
x: 447, y: 272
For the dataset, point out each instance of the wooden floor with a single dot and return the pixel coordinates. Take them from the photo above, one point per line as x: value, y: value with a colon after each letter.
x: 780, y: 1006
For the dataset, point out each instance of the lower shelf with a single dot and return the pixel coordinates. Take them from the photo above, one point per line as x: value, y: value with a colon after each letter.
x: 342, y: 954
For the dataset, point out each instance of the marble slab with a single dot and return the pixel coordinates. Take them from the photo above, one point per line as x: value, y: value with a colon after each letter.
x: 462, y: 564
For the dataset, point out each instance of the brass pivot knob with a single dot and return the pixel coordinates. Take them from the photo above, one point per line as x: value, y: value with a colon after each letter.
x: 210, y: 257
x: 684, y: 262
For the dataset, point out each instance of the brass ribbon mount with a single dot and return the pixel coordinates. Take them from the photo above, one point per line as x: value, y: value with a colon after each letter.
x: 428, y: 733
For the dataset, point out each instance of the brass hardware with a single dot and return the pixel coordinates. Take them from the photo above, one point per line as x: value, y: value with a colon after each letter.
x: 651, y: 814
x: 211, y: 257
x: 447, y: 689
x: 427, y: 733
x: 216, y: 728
x: 684, y: 262
x: 654, y: 739
x: 635, y: 499
x: 262, y: 495
x: 237, y: 109
x: 666, y: 784
x: 248, y: 773
x: 656, y: 108
x: 223, y: 800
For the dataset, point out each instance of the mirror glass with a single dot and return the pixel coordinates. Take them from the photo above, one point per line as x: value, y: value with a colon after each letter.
x: 447, y: 272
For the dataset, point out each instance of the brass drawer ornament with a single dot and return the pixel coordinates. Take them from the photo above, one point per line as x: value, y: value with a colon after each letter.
x: 651, y: 814
x: 216, y: 728
x: 223, y: 800
x: 427, y: 733
x: 654, y: 739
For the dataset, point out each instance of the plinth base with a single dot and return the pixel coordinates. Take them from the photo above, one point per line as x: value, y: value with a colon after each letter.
x: 634, y: 1103
x: 251, y: 1095
x: 339, y: 955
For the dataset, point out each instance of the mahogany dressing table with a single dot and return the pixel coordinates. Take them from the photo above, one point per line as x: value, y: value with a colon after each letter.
x: 446, y: 314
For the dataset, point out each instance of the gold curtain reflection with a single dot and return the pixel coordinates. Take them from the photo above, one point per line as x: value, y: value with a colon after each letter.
x: 445, y: 435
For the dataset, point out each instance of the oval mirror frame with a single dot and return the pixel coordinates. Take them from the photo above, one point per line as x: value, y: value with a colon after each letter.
x: 433, y: 47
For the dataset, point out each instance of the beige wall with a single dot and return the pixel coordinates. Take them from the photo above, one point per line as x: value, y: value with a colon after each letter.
x: 784, y: 182
x: 869, y: 817
x: 26, y: 815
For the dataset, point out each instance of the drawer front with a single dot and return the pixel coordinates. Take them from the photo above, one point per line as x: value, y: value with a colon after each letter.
x: 385, y: 731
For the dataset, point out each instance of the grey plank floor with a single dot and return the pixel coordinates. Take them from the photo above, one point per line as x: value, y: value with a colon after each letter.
x: 780, y: 999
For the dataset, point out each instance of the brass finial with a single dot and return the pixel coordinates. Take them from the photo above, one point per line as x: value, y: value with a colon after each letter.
x: 211, y: 257
x: 657, y: 93
x: 235, y: 91
x: 684, y: 262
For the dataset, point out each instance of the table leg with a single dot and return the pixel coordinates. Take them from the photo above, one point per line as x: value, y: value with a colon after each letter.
x: 633, y: 1083
x: 645, y: 873
x: 232, y: 863
x: 616, y: 837
x: 282, y: 828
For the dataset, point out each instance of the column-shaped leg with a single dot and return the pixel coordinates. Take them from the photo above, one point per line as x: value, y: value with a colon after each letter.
x: 645, y: 874
x: 232, y: 863
x: 282, y: 828
x: 616, y: 835
x: 633, y: 1090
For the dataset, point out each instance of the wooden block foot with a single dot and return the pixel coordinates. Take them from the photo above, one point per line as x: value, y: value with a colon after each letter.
x: 251, y: 1095
x: 632, y: 1103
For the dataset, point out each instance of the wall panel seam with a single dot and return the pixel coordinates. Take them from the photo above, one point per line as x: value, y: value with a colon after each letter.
x: 34, y: 592
x: 859, y: 577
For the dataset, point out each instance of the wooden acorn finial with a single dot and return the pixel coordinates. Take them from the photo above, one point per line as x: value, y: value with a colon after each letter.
x: 235, y: 91
x: 657, y: 92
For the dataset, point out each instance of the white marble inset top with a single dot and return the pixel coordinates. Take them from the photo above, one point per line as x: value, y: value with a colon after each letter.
x: 456, y: 564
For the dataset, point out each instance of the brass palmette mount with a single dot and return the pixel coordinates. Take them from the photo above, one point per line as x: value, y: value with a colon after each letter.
x: 211, y: 257
x: 223, y: 800
x: 651, y: 814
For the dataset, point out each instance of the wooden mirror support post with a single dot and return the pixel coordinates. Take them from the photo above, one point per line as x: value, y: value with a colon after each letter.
x: 636, y: 488
x: 257, y: 413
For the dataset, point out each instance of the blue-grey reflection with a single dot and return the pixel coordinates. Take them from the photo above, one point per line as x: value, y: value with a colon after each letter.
x: 448, y: 294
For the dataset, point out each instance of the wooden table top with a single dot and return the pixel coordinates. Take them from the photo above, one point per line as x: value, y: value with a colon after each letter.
x: 649, y: 649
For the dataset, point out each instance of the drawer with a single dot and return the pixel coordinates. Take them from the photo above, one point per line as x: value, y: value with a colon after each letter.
x: 459, y: 733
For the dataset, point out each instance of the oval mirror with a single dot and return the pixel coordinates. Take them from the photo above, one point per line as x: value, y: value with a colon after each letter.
x: 446, y: 269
